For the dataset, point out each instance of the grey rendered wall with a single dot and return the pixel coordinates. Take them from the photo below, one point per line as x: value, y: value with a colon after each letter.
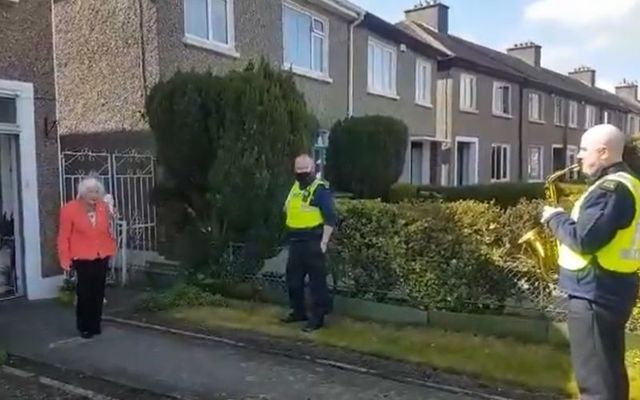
x: 258, y: 32
x: 419, y: 119
x: 487, y: 127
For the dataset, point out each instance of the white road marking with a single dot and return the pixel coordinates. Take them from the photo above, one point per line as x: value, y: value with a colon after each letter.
x: 66, y: 342
x: 73, y: 389
x: 17, y: 372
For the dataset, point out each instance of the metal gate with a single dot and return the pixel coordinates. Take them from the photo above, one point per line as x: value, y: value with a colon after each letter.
x: 129, y: 178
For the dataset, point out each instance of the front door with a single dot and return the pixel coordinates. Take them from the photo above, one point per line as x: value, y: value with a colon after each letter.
x: 416, y: 163
x: 12, y: 281
x: 466, y: 163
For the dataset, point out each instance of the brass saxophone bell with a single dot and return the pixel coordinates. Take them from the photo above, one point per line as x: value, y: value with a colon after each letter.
x: 543, y: 248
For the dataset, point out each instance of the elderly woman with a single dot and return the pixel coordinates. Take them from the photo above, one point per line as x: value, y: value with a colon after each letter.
x: 85, y: 244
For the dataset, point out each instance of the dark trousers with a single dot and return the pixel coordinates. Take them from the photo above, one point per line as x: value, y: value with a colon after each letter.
x: 92, y: 277
x: 597, y: 337
x: 306, y: 258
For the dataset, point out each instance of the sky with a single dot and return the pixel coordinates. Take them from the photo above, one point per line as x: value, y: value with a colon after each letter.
x: 601, y: 34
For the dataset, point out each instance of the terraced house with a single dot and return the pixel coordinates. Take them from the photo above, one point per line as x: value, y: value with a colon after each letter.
x: 29, y: 180
x: 506, y: 116
x: 346, y: 61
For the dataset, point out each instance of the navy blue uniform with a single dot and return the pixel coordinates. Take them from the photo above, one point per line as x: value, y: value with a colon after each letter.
x: 307, y: 258
x: 600, y: 301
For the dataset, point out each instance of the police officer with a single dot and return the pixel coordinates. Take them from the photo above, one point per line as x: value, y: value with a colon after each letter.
x: 310, y: 219
x: 599, y: 257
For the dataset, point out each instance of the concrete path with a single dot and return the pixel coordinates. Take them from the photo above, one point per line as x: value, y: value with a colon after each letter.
x: 190, y: 368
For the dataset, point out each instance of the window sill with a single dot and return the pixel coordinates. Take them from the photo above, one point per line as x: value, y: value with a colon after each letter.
x: 505, y: 116
x: 424, y: 105
x: 212, y: 46
x: 535, y: 180
x: 537, y: 121
x: 559, y: 125
x: 573, y: 126
x: 469, y: 111
x: 318, y: 76
x: 500, y: 180
x: 381, y: 94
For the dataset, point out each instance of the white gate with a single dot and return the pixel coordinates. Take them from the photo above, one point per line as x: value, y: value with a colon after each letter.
x: 129, y: 177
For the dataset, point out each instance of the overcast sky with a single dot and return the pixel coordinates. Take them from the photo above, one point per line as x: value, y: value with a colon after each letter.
x: 602, y: 34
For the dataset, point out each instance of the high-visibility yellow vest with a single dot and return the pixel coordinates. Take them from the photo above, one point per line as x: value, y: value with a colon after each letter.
x: 622, y: 253
x: 300, y: 213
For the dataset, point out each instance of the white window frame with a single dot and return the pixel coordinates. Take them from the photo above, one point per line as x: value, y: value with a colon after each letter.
x: 540, y: 118
x: 473, y: 81
x: 393, y: 94
x: 310, y: 73
x: 558, y: 117
x: 421, y: 84
x: 573, y: 111
x: 505, y: 163
x: 540, y: 166
x: 496, y: 111
x: 590, y: 122
x: 572, y: 150
x: 607, y: 117
x: 229, y: 48
x: 633, y: 124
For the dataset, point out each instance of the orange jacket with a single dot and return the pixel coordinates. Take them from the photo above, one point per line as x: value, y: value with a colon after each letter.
x: 78, y: 239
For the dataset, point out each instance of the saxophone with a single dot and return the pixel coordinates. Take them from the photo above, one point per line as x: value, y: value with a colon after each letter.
x: 545, y: 249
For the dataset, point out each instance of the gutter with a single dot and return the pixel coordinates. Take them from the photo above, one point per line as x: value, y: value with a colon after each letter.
x: 351, y: 61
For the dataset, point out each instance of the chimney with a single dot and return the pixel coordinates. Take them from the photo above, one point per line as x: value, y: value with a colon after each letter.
x: 628, y: 90
x: 585, y: 74
x: 431, y: 13
x: 528, y: 52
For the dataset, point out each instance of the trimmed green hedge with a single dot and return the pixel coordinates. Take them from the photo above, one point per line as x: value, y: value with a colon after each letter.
x: 505, y: 194
x: 449, y: 256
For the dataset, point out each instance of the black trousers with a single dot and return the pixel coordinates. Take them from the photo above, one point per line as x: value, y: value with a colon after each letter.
x: 92, y: 276
x: 597, y: 337
x: 306, y: 258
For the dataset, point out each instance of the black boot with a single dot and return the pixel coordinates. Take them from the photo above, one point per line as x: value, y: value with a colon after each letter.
x: 314, y: 324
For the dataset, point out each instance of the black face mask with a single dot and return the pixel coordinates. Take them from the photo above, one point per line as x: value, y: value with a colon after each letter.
x: 304, y: 178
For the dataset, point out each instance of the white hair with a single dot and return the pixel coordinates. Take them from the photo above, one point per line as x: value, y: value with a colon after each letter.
x: 90, y: 183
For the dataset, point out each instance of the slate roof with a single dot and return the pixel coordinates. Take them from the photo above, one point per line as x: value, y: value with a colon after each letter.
x: 483, y: 59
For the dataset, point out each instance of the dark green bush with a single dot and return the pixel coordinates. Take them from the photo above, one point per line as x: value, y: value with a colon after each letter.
x: 225, y: 147
x: 366, y: 155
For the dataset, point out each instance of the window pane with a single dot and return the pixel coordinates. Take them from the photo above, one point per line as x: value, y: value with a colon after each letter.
x: 219, y: 21
x: 196, y: 18
x: 387, y: 72
x: 297, y: 38
x: 318, y: 53
x: 318, y: 26
x: 371, y: 66
x: 8, y: 112
x: 379, y: 68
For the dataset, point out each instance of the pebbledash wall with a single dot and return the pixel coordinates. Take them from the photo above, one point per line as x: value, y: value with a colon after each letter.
x: 27, y: 74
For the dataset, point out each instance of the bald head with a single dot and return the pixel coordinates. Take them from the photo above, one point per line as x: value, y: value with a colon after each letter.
x: 600, y: 147
x: 304, y: 163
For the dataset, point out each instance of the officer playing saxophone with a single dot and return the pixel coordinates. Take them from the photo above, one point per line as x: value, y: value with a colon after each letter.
x: 311, y: 217
x: 599, y: 258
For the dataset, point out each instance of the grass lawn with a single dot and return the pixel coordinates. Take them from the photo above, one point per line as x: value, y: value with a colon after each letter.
x: 493, y: 360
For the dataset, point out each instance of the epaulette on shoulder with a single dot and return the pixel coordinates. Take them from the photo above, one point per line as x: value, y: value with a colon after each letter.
x: 609, y: 185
